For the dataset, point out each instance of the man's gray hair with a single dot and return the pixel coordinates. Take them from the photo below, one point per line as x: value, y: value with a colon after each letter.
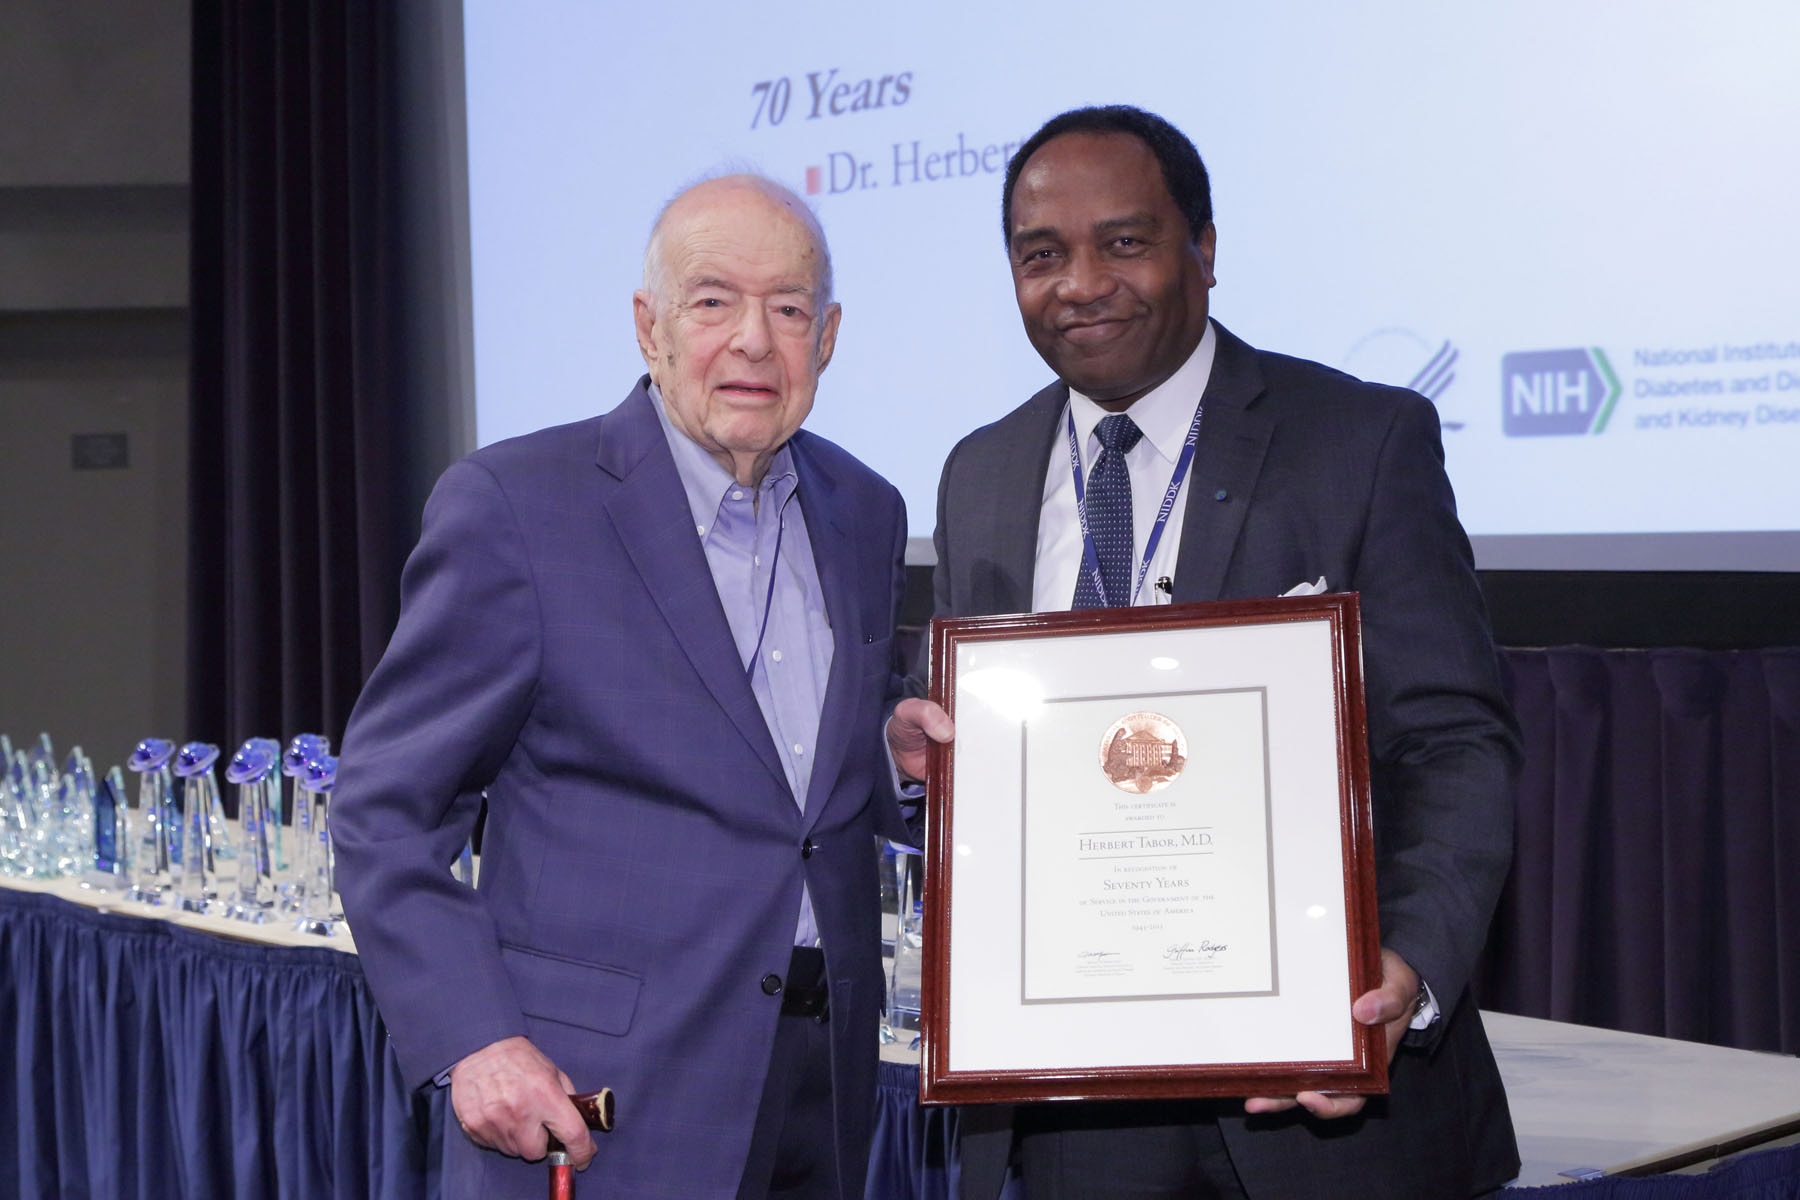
x: 654, y: 281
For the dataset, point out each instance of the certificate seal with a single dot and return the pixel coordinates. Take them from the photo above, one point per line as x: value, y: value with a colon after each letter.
x: 1142, y: 752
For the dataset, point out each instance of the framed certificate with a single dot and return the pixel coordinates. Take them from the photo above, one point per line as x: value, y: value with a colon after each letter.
x: 1150, y: 868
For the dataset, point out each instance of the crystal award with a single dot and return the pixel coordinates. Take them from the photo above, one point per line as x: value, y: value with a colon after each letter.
x: 903, y: 999
x: 158, y: 827
x: 198, y: 793
x: 304, y: 748
x: 317, y: 914
x: 17, y: 814
x: 75, y: 789
x: 253, y: 770
x: 111, y: 868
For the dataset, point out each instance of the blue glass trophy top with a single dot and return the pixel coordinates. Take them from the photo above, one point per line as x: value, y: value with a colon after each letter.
x: 321, y: 773
x: 111, y: 838
x: 80, y: 769
x: 152, y: 754
x: 253, y: 762
x: 302, y: 750
x: 195, y: 758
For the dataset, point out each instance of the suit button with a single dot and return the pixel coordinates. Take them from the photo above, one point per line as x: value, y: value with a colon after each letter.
x: 771, y: 984
x: 806, y: 848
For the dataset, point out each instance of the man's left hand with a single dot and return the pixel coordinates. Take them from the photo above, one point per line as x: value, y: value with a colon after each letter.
x: 1389, y: 1006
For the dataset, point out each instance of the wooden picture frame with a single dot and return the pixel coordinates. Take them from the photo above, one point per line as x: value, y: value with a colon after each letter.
x: 1149, y: 861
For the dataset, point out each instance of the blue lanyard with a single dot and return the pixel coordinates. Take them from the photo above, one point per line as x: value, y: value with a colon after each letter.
x: 1090, y: 556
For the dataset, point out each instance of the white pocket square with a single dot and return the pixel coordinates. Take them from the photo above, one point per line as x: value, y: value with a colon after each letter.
x: 1307, y: 589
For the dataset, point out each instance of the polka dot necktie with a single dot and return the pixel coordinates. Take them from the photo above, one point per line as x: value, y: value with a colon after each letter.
x: 1108, y: 504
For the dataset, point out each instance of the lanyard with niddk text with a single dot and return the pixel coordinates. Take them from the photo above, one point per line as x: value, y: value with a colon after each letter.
x: 1090, y: 556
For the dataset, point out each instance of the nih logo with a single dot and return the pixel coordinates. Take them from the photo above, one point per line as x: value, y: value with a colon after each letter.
x: 1549, y: 392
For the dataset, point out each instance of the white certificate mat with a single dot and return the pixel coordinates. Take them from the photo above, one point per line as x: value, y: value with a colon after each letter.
x: 1149, y: 855
x: 1155, y: 884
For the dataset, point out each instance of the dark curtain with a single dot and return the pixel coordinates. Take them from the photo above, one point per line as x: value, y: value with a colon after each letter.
x: 311, y: 416
x: 1656, y: 883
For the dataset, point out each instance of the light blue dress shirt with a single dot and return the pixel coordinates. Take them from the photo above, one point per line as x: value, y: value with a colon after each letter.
x: 762, y: 565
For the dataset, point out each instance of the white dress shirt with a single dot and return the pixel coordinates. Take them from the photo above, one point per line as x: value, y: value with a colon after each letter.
x: 1163, y: 414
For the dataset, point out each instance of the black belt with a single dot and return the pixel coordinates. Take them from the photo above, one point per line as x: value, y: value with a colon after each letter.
x: 803, y: 992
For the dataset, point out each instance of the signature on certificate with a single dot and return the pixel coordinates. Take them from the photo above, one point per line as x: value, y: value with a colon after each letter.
x: 1204, y: 949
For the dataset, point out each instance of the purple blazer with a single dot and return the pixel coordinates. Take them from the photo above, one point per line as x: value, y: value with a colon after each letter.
x: 562, y: 649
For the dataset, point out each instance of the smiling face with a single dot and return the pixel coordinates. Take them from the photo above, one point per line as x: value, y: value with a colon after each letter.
x: 1110, y: 282
x: 732, y: 322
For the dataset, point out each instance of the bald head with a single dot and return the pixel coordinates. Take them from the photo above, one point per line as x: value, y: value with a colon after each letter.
x: 736, y: 189
x: 735, y: 319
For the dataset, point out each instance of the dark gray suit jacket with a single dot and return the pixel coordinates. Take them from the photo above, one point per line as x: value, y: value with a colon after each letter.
x: 1303, y: 471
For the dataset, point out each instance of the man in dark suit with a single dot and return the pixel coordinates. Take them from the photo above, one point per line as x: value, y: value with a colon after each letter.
x: 1300, y: 474
x: 657, y: 642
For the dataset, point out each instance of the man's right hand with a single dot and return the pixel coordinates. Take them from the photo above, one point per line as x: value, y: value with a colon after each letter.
x: 508, y: 1097
x: 911, y: 730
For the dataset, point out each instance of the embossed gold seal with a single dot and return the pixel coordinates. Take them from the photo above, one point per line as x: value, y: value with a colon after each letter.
x: 1143, y: 752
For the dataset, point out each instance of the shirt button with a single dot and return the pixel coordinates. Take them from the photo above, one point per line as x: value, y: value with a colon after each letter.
x: 799, y: 749
x: 775, y: 654
x: 736, y: 494
x: 700, y: 529
x: 771, y: 984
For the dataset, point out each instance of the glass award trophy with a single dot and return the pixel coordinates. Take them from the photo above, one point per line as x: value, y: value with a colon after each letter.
x: 43, y: 841
x: 224, y: 842
x: 903, y: 999
x: 253, y: 770
x: 75, y: 788
x: 317, y: 914
x: 16, y: 813
x: 41, y: 751
x: 44, y: 807
x: 111, y: 868
x: 303, y: 749
x: 195, y: 875
x: 158, y: 826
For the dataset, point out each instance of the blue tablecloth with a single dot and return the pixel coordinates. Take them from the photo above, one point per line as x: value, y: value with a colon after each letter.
x: 914, y: 1154
x: 152, y: 1061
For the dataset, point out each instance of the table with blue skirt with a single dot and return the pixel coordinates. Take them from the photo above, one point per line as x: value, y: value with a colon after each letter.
x: 159, y: 1058
x: 174, y: 1056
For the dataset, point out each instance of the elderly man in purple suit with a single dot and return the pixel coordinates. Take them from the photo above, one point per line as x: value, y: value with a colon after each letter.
x: 658, y: 642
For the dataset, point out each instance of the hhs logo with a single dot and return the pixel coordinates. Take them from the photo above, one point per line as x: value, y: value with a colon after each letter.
x: 1556, y: 392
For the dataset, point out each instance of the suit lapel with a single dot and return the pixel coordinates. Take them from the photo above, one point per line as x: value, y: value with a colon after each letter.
x: 649, y: 510
x: 1233, y: 440
x: 834, y: 560
x: 1017, y: 506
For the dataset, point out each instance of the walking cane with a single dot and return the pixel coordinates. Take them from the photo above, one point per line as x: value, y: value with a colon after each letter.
x: 596, y: 1109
